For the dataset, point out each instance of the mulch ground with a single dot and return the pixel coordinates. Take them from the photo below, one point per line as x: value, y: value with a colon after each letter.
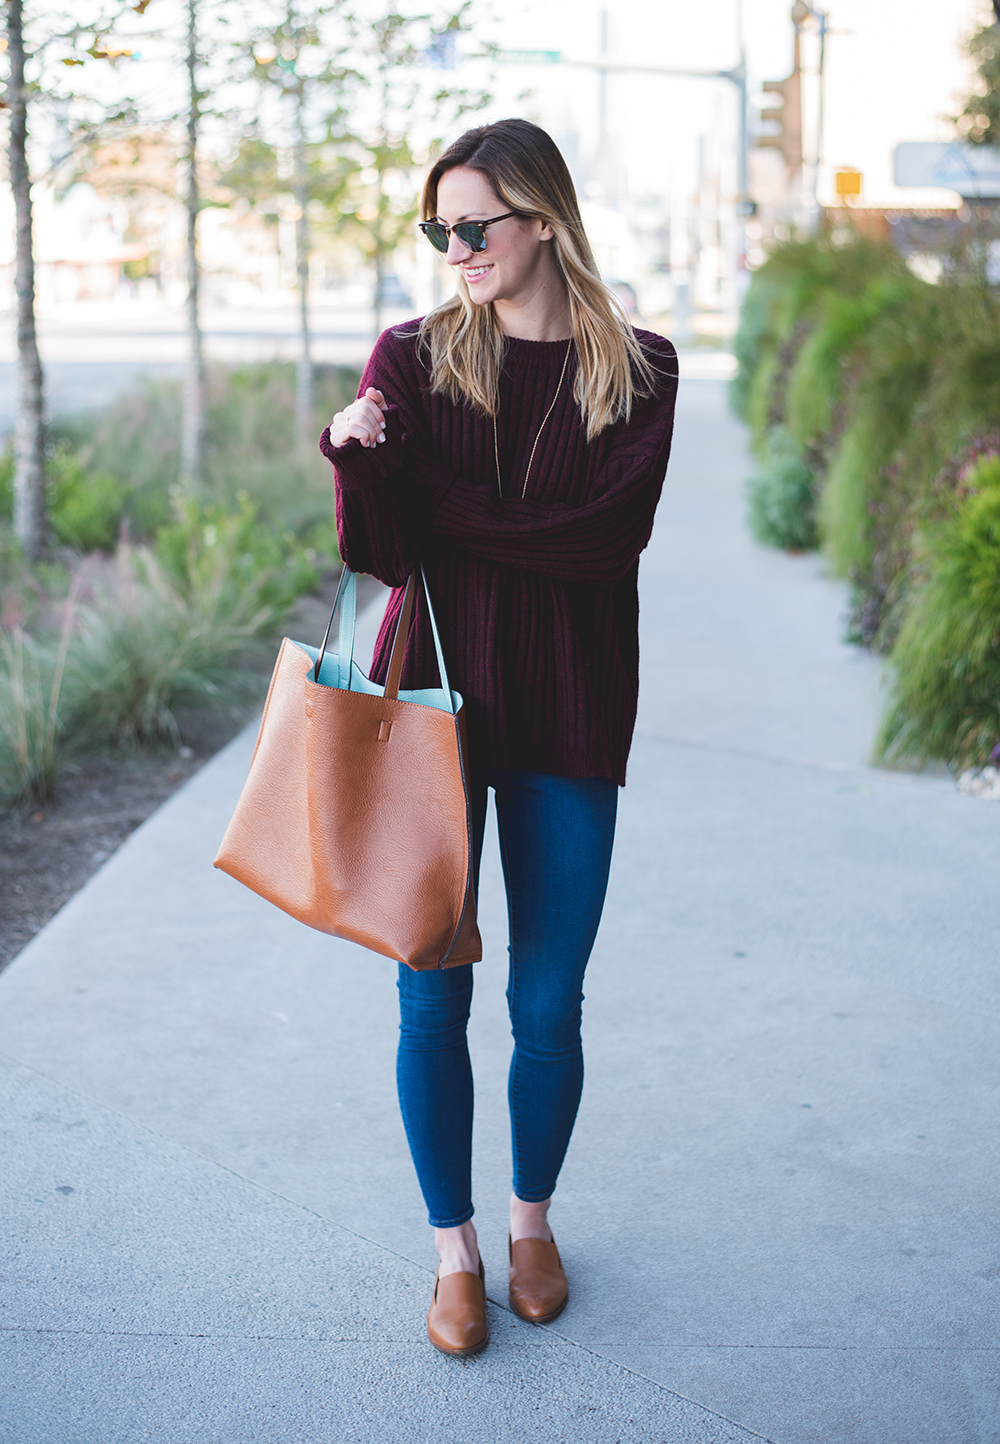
x: 48, y: 851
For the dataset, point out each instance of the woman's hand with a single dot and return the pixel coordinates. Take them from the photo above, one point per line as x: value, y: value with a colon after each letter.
x: 362, y: 421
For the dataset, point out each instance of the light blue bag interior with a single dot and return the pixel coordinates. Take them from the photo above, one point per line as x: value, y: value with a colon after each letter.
x: 339, y: 669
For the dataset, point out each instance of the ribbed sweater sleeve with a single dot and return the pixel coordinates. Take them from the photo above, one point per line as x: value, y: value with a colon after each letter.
x: 597, y: 542
x: 378, y: 523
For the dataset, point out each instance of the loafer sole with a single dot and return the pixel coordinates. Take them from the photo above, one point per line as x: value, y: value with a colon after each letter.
x: 461, y: 1353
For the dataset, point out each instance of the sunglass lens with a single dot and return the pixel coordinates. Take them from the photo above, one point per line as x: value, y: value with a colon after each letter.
x: 438, y: 237
x: 470, y: 235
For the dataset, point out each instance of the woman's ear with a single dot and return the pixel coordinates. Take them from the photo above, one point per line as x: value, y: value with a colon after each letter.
x: 546, y: 233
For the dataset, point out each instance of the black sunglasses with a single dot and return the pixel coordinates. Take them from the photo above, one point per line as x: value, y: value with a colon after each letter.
x: 471, y: 233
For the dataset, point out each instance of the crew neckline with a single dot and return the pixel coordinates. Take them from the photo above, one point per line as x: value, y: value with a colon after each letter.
x: 526, y: 341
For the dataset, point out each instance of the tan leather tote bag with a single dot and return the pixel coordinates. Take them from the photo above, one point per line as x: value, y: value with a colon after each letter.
x: 355, y: 817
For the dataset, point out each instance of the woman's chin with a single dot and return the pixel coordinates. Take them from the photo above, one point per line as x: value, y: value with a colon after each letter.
x: 480, y: 295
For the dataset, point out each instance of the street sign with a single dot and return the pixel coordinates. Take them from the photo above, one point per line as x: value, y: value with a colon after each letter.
x: 528, y: 57
x: 972, y: 170
x: 847, y: 181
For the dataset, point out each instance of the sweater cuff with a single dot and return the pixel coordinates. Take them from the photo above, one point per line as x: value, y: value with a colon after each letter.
x: 360, y: 468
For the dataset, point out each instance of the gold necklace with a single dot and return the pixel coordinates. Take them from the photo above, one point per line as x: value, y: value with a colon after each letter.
x: 496, y: 444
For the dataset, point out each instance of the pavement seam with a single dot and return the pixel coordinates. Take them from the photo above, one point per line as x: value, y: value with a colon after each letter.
x: 563, y: 1338
x: 221, y: 1338
x: 353, y: 1233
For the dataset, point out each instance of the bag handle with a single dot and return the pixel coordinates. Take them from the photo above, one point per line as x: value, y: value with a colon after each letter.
x: 347, y: 592
x: 403, y: 631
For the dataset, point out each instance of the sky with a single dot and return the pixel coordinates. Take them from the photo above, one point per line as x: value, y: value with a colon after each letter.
x: 894, y: 71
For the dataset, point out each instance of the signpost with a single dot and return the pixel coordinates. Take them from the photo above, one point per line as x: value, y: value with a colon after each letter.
x: 972, y: 170
x: 528, y: 57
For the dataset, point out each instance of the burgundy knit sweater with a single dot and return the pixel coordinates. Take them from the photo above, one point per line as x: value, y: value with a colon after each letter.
x: 536, y: 599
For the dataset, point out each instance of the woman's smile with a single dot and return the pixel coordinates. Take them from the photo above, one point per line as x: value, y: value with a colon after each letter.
x: 476, y: 273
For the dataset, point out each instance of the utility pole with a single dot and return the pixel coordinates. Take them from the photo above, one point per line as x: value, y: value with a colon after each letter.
x: 789, y: 113
x: 602, y: 79
x: 789, y: 137
x: 745, y: 207
x: 300, y: 184
x: 29, y: 443
x: 303, y: 365
x: 823, y: 18
x: 193, y: 422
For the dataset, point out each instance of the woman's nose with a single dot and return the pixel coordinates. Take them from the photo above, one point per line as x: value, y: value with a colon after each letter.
x: 458, y: 251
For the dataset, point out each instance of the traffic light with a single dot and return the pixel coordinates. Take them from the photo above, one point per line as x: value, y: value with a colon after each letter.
x: 787, y: 115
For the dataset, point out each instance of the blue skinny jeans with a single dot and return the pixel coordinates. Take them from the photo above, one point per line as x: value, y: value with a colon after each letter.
x: 556, y: 836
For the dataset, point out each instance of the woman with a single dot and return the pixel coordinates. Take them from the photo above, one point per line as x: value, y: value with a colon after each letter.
x: 515, y: 441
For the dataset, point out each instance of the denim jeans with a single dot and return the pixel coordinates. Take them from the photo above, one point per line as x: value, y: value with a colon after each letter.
x: 556, y: 836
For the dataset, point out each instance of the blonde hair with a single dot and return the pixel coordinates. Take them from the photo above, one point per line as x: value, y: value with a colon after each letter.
x: 464, y: 340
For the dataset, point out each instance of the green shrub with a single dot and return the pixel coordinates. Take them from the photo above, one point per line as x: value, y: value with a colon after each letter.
x: 210, y: 549
x: 883, y: 381
x: 886, y: 389
x: 945, y: 667
x: 926, y: 391
x: 829, y: 358
x: 172, y: 624
x: 781, y: 499
x: 796, y: 293
x: 251, y: 448
x: 121, y: 465
x: 7, y: 483
x: 85, y: 509
x: 136, y: 442
x: 754, y: 340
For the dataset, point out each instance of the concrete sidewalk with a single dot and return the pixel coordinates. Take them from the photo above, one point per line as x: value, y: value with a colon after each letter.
x: 779, y: 1208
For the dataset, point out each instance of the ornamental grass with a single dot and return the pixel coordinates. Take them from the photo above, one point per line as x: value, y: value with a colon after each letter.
x: 885, y: 389
x: 944, y: 701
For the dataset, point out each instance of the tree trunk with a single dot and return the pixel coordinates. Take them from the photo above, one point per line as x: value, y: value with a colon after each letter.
x: 303, y: 369
x: 377, y: 302
x: 29, y: 444
x: 193, y: 423
x: 378, y: 290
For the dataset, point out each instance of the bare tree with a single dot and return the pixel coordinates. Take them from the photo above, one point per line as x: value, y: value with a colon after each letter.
x: 300, y: 59
x: 193, y: 422
x: 303, y: 365
x: 29, y: 442
x: 60, y: 32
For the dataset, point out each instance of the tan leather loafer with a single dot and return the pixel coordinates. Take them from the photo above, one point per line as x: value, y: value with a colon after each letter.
x: 539, y: 1288
x: 456, y: 1319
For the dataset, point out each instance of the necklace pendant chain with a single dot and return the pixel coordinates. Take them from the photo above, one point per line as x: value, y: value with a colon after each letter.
x: 496, y: 443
